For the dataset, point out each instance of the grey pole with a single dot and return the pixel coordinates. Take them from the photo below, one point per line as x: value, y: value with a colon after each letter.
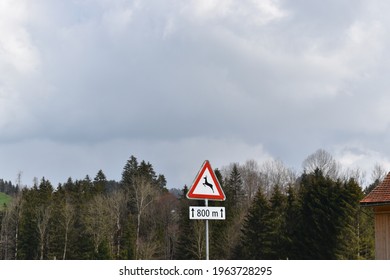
x: 207, y: 232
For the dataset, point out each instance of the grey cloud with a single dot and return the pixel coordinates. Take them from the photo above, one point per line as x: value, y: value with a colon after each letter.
x: 168, y: 73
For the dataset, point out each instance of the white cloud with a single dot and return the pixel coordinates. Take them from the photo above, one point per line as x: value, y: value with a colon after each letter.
x: 268, y: 11
x: 118, y: 20
x: 248, y: 12
x: 356, y: 155
x: 17, y: 52
x: 354, y: 57
x: 20, y: 66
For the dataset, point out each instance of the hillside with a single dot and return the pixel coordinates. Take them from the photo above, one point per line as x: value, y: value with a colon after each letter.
x: 4, y: 198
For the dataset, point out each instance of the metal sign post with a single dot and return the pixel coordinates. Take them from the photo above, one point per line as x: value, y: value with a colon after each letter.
x: 206, y: 203
x: 206, y: 186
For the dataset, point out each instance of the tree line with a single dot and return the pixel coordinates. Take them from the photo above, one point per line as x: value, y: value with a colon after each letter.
x: 271, y: 213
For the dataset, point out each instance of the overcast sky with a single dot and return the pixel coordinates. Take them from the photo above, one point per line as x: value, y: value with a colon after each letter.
x: 85, y: 84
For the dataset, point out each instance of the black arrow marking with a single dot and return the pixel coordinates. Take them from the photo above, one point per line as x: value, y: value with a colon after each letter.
x: 192, y: 210
x: 221, y: 212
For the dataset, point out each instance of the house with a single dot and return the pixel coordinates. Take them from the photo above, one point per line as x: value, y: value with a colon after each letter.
x: 379, y: 200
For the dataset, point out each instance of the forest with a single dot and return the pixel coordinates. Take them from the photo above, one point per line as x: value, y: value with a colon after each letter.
x: 271, y: 213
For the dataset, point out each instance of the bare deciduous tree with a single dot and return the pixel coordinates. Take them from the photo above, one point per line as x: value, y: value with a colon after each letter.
x: 9, y: 233
x: 97, y: 220
x: 68, y: 215
x: 164, y: 214
x: 323, y: 161
x: 116, y: 203
x: 357, y: 174
x: 143, y: 196
x: 43, y: 214
x: 378, y: 173
x: 198, y: 246
x: 250, y: 174
x: 148, y: 247
x: 275, y: 173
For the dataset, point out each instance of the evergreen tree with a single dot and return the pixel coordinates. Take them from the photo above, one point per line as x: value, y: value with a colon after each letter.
x: 129, y: 171
x: 292, y: 218
x: 314, y: 232
x: 128, y: 239
x: 348, y: 245
x: 234, y: 189
x: 185, y: 238
x: 366, y: 232
x: 278, y: 228
x: 99, y: 182
x: 225, y: 235
x: 44, y: 215
x: 256, y: 243
x: 81, y: 245
x: 28, y: 242
x: 321, y: 216
x: 35, y: 221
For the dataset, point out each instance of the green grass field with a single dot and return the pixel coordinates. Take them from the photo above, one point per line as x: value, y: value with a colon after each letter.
x: 4, y: 199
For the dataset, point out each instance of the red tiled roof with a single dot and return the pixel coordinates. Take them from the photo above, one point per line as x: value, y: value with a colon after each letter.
x: 380, y: 194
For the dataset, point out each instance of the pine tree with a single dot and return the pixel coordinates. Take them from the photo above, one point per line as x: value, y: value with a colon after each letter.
x: 366, y: 230
x: 129, y: 171
x: 185, y: 238
x: 278, y: 228
x: 225, y: 235
x: 80, y: 245
x: 35, y: 221
x: 128, y: 239
x: 256, y: 243
x: 348, y: 245
x: 99, y: 182
x: 234, y: 190
x: 292, y: 218
x: 320, y: 213
x: 28, y: 235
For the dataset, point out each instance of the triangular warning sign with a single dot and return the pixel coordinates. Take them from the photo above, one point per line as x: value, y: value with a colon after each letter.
x: 206, y: 185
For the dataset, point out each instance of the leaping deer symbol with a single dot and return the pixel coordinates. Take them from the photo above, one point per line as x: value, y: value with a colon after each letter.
x: 207, y: 184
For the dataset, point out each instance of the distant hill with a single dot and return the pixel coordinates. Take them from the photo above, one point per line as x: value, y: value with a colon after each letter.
x: 4, y: 199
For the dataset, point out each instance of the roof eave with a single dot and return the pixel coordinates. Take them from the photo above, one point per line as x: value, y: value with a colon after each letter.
x: 371, y: 204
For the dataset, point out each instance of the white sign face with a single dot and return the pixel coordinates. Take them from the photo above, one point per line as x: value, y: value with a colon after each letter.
x: 205, y: 186
x: 207, y: 213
